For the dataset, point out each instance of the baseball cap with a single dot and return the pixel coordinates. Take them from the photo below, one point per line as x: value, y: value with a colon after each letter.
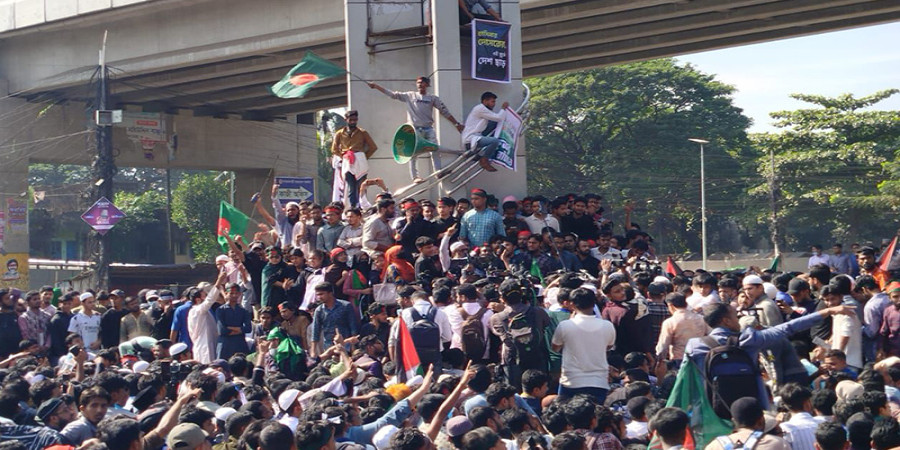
x: 152, y: 294
x: 657, y: 288
x: 117, y: 293
x: 797, y: 285
x: 185, y: 436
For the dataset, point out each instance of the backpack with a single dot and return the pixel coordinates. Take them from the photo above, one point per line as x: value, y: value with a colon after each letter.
x: 729, y: 374
x: 472, y: 335
x: 751, y: 443
x: 426, y: 336
x: 526, y: 341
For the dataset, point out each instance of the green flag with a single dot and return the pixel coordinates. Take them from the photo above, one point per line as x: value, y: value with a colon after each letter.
x: 536, y: 270
x: 231, y: 219
x: 299, y: 80
x: 689, y: 395
x: 775, y: 263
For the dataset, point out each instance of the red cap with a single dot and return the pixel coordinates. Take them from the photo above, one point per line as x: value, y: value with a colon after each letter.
x: 524, y: 233
x: 336, y: 251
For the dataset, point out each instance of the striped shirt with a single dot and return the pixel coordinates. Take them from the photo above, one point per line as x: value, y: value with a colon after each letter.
x: 800, y: 431
x: 479, y: 226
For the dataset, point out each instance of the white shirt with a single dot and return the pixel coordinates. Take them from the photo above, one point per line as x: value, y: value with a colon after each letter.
x: 456, y: 323
x: 290, y: 422
x: 697, y: 301
x: 202, y: 329
x: 440, y: 318
x: 636, y: 430
x: 850, y: 328
x: 800, y: 431
x: 584, y: 340
x: 535, y: 225
x: 611, y: 253
x: 86, y: 327
x: 476, y: 122
x: 819, y: 259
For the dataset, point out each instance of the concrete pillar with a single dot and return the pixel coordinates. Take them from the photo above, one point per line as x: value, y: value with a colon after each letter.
x: 14, y: 244
x: 448, y: 60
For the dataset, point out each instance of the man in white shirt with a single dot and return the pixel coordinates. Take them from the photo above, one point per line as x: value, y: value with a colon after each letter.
x: 473, y: 135
x: 584, y: 340
x: 818, y: 257
x: 202, y: 325
x: 800, y: 430
x: 469, y: 306
x: 704, y: 291
x: 291, y: 409
x: 424, y: 308
x: 86, y: 323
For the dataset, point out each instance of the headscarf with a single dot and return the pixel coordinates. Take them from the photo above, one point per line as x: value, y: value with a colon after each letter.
x: 288, y: 351
x: 404, y: 268
x: 360, y: 267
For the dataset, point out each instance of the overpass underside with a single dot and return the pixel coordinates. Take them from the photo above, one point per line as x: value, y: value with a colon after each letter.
x: 228, y: 76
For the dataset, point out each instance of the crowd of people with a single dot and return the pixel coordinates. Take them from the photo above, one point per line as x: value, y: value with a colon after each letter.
x: 465, y: 324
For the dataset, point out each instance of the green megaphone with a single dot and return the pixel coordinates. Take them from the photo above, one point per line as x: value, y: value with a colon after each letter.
x: 408, y: 144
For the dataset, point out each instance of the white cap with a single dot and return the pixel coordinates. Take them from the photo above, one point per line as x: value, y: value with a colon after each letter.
x: 589, y: 286
x: 140, y: 366
x: 752, y: 279
x: 224, y: 413
x: 415, y: 381
x: 662, y: 279
x: 151, y: 294
x: 771, y: 291
x: 215, y: 373
x: 287, y: 399
x: 178, y: 348
x: 221, y: 258
x: 456, y: 246
x: 86, y: 295
x: 382, y: 438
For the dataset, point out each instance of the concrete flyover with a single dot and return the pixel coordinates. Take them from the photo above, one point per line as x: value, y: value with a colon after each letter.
x: 215, y: 59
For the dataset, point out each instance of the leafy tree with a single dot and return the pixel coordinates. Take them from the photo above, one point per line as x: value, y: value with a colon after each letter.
x: 622, y: 131
x: 195, y: 208
x: 141, y: 236
x: 836, y: 167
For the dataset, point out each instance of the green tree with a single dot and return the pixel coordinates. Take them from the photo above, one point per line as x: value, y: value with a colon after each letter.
x: 141, y: 236
x: 622, y: 132
x: 836, y: 167
x: 195, y: 208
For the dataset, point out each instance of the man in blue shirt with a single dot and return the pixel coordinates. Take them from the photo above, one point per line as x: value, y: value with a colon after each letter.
x: 180, y: 321
x: 480, y: 223
x: 330, y: 317
x: 723, y: 320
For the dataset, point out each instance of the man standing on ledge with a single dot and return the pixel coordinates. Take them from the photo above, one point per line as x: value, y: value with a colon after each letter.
x: 481, y: 122
x: 419, y: 111
x: 354, y: 147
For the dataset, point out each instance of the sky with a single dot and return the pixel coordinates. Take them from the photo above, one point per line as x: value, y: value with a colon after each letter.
x: 859, y: 61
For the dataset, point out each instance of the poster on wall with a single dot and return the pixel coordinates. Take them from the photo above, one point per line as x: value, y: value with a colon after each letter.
x: 295, y: 189
x: 490, y: 51
x: 14, y: 271
x: 17, y: 216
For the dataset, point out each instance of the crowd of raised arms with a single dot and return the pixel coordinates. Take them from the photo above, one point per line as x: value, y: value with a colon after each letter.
x: 461, y: 324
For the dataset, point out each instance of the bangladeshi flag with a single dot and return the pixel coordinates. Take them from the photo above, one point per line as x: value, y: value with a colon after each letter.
x: 231, y: 219
x: 299, y: 80
x: 409, y: 357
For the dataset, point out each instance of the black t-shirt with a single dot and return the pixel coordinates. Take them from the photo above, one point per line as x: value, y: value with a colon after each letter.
x: 254, y: 265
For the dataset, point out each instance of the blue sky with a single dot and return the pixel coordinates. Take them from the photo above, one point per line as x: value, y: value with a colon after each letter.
x: 859, y: 61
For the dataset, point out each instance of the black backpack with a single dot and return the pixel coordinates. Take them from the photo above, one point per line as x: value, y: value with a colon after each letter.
x: 729, y: 374
x: 474, y: 342
x: 426, y: 336
x: 526, y: 340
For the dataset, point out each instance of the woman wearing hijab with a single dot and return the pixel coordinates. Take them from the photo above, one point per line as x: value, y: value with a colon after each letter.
x: 397, y: 268
x: 338, y: 269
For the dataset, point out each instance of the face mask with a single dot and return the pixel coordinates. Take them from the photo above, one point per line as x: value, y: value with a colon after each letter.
x: 815, y: 253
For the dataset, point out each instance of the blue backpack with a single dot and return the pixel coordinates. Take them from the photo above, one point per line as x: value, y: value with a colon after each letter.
x: 729, y: 374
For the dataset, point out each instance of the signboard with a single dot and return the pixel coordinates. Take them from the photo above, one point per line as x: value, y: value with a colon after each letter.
x: 490, y: 51
x: 17, y: 217
x: 103, y: 216
x: 14, y: 271
x: 146, y: 128
x: 2, y: 228
x: 295, y: 189
x: 508, y: 132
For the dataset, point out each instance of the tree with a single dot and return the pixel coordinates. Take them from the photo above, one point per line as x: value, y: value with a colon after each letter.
x: 836, y: 165
x: 141, y: 236
x: 622, y: 131
x: 195, y: 208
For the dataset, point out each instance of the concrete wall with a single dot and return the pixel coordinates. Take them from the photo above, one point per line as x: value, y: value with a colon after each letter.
x: 448, y: 61
x: 20, y: 14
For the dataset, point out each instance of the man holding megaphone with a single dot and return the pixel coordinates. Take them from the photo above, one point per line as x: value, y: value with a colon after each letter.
x: 420, y: 106
x: 354, y: 147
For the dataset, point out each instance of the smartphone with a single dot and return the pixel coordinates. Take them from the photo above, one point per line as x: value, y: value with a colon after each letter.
x: 74, y: 350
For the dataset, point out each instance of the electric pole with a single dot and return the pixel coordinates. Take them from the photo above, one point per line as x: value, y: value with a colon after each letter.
x: 103, y: 170
x: 773, y: 203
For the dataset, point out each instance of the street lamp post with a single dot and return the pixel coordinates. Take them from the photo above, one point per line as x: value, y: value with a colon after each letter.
x: 702, y: 197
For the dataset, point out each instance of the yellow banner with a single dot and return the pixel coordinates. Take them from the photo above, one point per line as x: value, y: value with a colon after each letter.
x: 14, y: 271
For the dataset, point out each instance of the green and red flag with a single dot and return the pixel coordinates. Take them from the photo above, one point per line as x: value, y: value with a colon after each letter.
x: 308, y: 73
x: 409, y: 357
x: 231, y: 219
